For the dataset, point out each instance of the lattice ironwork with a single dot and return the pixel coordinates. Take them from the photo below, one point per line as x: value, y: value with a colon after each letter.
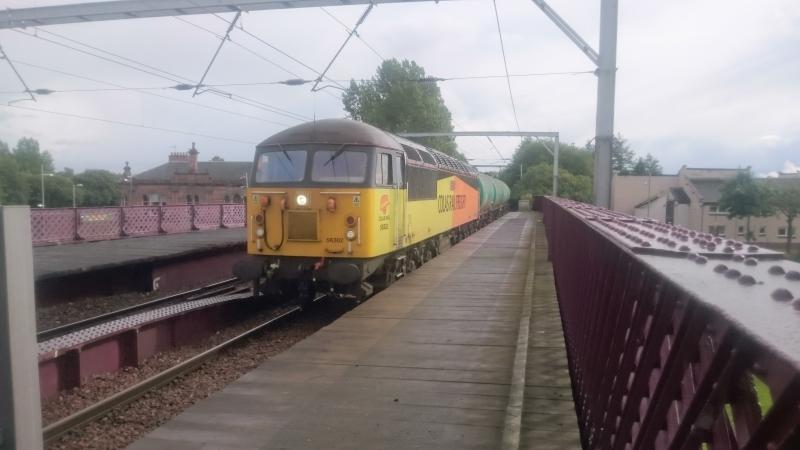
x: 99, y: 223
x: 676, y: 339
x: 207, y: 217
x: 233, y: 216
x: 50, y: 226
x: 176, y: 219
x: 62, y: 225
x: 141, y: 220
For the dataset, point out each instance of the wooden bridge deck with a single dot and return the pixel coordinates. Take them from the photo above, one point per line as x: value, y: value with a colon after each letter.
x: 465, y: 353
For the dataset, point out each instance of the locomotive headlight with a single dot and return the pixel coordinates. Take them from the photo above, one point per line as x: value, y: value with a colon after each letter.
x: 351, y: 235
x: 302, y: 200
x: 260, y: 232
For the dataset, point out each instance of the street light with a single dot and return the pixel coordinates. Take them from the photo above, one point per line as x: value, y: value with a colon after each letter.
x: 44, y: 175
x: 74, y: 185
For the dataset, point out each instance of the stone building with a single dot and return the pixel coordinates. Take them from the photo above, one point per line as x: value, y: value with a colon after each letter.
x: 185, y: 180
x: 691, y: 198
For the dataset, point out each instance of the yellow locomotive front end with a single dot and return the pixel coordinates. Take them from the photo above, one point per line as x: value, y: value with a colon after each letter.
x: 322, y: 209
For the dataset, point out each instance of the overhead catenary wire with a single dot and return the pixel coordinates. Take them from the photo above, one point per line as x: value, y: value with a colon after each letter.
x: 505, y: 63
x: 241, y: 46
x: 3, y: 55
x: 275, y: 48
x: 144, y: 91
x: 338, y: 52
x: 216, y: 53
x: 164, y: 74
x: 348, y: 30
x: 300, y: 81
x: 129, y: 124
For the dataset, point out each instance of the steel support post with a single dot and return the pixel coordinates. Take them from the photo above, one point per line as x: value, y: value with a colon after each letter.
x: 604, y: 125
x: 20, y: 408
x: 555, y: 167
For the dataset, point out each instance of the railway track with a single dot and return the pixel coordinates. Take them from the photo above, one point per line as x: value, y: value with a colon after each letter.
x: 128, y: 395
x: 229, y: 285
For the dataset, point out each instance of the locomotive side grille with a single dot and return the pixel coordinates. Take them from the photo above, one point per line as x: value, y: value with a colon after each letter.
x: 302, y: 226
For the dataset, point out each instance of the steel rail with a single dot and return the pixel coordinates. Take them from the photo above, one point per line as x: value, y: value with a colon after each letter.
x: 191, y: 294
x: 128, y: 395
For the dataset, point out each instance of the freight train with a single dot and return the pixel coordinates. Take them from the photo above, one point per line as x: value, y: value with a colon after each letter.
x: 342, y: 207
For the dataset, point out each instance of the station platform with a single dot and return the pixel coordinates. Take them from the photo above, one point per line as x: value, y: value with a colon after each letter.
x: 466, y: 352
x: 137, y: 263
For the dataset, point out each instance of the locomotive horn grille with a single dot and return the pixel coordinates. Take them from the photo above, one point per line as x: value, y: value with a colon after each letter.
x: 302, y: 226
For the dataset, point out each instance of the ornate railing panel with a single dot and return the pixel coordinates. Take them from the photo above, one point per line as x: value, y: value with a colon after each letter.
x: 676, y: 339
x: 207, y: 217
x: 64, y: 225
x: 99, y: 223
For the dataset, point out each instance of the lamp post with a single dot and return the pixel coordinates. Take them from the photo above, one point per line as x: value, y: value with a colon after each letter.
x: 74, y: 185
x: 44, y: 175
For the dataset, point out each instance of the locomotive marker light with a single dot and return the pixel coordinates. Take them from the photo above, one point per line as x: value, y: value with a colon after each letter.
x: 351, y: 235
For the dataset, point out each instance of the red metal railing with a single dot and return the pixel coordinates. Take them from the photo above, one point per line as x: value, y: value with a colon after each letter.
x: 63, y: 225
x: 676, y: 339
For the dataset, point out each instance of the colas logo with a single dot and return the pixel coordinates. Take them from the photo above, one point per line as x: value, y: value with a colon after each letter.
x: 384, y: 204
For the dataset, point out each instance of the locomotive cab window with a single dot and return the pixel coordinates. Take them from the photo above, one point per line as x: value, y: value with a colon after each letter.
x: 279, y: 166
x: 383, y: 169
x: 343, y: 166
x: 398, y: 169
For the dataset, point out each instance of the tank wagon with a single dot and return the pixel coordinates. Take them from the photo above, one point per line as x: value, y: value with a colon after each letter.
x: 343, y: 207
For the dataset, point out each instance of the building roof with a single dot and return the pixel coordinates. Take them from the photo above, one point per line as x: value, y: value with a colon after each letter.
x: 709, y: 190
x: 648, y: 201
x: 220, y: 171
x: 680, y: 195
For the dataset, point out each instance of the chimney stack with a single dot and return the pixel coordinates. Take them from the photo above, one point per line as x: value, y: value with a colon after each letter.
x: 193, y: 159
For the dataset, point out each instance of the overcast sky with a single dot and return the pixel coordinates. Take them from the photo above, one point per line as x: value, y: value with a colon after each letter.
x: 710, y: 83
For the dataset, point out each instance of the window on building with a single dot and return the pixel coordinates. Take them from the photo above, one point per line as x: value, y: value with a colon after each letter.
x: 144, y: 200
x: 237, y: 198
x: 714, y: 208
x: 227, y: 198
x: 196, y: 200
x: 717, y: 230
x: 762, y: 231
x: 188, y: 199
x: 781, y: 232
x: 740, y: 230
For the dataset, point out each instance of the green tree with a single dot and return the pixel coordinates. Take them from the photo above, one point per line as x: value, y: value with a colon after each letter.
x: 13, y: 189
x: 538, y: 180
x: 786, y: 200
x: 530, y: 153
x: 57, y: 190
x: 623, y: 158
x: 30, y: 158
x: 401, y: 98
x: 743, y: 197
x: 100, y: 188
x: 648, y: 165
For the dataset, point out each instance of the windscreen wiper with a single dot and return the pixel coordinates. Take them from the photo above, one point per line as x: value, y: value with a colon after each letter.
x: 335, y: 155
x: 286, y: 154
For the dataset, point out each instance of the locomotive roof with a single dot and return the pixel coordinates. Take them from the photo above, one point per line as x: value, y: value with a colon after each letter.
x: 334, y: 131
x: 346, y: 131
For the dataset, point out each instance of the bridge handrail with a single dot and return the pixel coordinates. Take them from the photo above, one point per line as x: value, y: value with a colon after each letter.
x: 65, y: 225
x: 676, y: 339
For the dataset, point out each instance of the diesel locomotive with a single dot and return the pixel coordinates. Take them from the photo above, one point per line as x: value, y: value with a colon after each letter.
x: 342, y: 207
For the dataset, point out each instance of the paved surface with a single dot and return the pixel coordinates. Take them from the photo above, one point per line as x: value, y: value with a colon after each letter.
x: 431, y: 362
x: 60, y: 260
